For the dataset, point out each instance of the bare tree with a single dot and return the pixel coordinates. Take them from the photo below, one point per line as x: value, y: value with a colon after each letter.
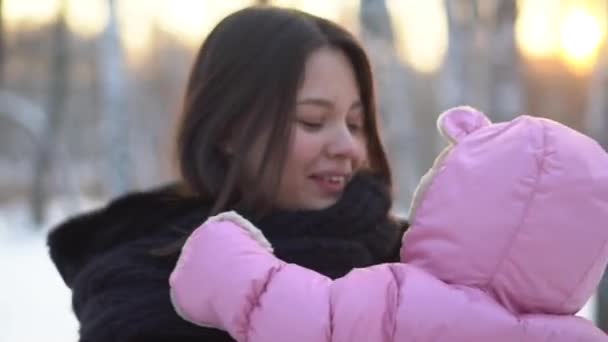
x: 55, y: 109
x: 24, y: 113
x: 112, y: 74
x: 456, y: 82
x: 483, y: 66
x: 597, y: 107
x: 2, y: 45
x: 505, y: 83
x: 393, y: 79
x: 597, y: 125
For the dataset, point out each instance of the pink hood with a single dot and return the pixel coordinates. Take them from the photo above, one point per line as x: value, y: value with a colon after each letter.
x: 518, y: 209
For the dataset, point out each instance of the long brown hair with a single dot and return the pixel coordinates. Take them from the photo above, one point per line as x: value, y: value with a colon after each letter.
x: 243, y: 86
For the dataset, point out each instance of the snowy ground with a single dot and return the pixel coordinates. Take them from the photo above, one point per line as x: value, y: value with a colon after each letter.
x: 34, y: 301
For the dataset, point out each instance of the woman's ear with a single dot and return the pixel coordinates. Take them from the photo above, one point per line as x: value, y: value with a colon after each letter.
x: 458, y: 122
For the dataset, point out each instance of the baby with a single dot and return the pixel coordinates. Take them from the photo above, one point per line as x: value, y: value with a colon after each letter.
x: 507, y: 242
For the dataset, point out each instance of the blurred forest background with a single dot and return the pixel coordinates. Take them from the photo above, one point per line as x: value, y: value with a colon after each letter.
x: 90, y: 90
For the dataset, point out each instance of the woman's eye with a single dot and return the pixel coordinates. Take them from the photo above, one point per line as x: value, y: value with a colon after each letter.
x: 354, y: 127
x: 311, y: 125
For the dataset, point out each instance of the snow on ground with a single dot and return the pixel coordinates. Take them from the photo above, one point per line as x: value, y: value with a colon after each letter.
x: 34, y: 301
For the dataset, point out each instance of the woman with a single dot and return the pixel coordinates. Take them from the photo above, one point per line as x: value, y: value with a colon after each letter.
x: 279, y: 123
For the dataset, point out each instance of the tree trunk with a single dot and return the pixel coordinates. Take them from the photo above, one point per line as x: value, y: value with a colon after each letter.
x: 2, y: 45
x: 395, y: 108
x: 597, y: 107
x: 112, y: 74
x: 58, y: 88
x: 482, y: 68
x: 597, y: 118
x: 506, y: 95
x: 455, y: 81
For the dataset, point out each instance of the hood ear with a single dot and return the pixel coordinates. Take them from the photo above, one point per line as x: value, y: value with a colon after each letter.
x: 458, y: 122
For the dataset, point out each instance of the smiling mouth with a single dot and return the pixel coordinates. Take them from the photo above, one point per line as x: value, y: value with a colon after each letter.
x: 331, y: 184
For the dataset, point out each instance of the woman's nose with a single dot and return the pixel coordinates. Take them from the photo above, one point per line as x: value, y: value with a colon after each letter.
x: 342, y: 143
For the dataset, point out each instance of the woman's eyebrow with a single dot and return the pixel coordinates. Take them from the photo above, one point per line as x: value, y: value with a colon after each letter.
x: 326, y: 103
x: 316, y: 102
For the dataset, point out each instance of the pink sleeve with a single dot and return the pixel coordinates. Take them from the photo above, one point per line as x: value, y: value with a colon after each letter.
x: 225, y: 279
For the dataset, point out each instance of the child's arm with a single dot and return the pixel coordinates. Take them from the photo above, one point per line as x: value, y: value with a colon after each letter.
x: 228, y: 280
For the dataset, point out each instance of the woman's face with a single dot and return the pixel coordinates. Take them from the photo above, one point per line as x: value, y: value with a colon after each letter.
x: 328, y: 139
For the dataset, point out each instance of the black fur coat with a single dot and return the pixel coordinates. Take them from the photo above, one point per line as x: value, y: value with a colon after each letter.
x: 120, y: 288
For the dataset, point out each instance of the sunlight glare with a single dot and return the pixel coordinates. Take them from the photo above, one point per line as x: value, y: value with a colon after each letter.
x: 192, y: 20
x: 328, y: 9
x: 88, y: 18
x: 581, y: 38
x: 421, y: 32
x: 16, y: 12
x: 136, y: 20
x: 535, y: 29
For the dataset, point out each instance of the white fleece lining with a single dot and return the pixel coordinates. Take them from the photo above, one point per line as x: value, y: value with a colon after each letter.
x: 426, y: 182
x: 242, y: 222
x: 441, y: 129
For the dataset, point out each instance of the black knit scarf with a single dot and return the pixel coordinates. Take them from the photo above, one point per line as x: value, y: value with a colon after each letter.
x: 357, y: 231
